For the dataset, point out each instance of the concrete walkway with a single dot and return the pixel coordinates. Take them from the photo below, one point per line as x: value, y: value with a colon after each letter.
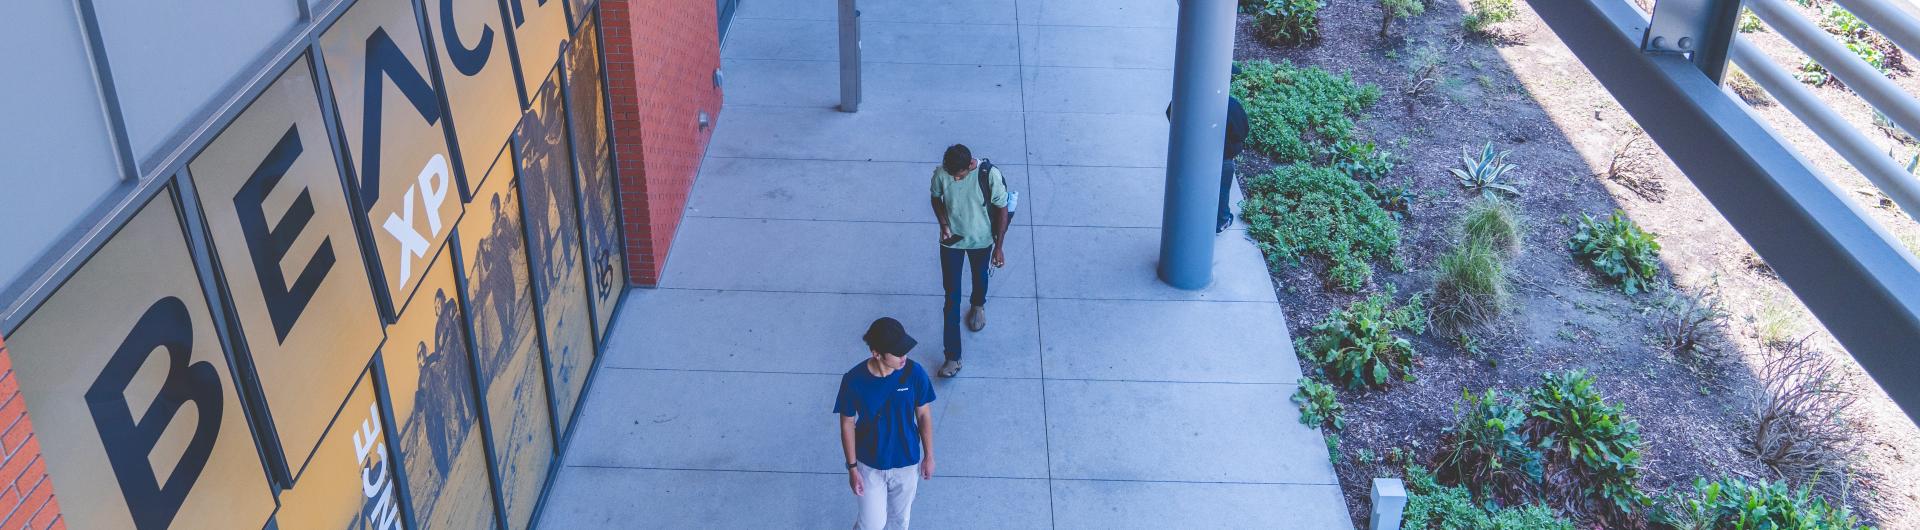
x: 1096, y: 397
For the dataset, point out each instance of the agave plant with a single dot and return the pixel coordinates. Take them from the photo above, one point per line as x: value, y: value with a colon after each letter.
x: 1483, y: 174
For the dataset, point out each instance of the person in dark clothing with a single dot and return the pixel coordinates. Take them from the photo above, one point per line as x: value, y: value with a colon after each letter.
x: 1237, y: 130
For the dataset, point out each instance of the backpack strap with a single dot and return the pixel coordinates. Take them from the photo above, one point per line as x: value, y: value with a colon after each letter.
x: 986, y: 181
x: 986, y: 197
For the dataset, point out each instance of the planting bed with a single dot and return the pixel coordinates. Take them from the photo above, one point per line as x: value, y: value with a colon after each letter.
x: 1575, y: 152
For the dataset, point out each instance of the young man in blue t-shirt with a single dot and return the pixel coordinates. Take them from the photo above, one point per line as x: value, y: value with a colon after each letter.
x: 886, y: 426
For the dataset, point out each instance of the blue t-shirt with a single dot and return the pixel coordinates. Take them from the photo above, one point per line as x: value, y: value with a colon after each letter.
x: 887, y: 434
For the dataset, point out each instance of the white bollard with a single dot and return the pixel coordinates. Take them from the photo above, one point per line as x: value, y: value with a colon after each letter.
x: 1389, y: 500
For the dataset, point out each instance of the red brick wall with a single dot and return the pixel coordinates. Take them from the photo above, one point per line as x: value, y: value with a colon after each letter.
x: 661, y: 55
x: 26, y: 496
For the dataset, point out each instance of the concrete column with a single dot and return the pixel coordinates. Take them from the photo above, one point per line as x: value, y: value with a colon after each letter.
x: 849, y: 57
x: 1203, y: 58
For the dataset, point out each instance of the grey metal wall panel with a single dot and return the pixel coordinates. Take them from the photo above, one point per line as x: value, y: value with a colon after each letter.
x: 59, y: 158
x: 170, y: 61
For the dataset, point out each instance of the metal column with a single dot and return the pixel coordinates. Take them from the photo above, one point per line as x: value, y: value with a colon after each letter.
x: 849, y: 57
x: 1202, y: 64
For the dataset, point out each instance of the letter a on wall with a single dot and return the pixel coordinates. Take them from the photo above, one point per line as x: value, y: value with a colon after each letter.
x: 271, y: 192
x: 131, y: 393
x: 403, y: 177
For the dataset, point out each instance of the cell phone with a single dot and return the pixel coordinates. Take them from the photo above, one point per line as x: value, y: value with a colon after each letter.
x: 952, y: 239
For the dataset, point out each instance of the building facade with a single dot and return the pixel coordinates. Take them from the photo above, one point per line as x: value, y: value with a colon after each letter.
x: 326, y: 263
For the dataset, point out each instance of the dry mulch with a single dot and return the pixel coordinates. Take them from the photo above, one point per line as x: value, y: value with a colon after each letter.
x: 1527, y: 93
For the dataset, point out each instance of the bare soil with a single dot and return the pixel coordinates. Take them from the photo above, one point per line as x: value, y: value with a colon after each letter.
x: 1524, y: 91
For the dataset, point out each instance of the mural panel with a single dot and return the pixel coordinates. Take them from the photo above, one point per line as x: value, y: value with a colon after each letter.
x: 130, y: 392
x: 593, y: 160
x: 482, y: 94
x: 506, y: 347
x: 390, y: 115
x: 350, y: 485
x: 581, y: 10
x: 553, y: 242
x: 435, y: 410
x: 539, y: 27
x: 270, y: 189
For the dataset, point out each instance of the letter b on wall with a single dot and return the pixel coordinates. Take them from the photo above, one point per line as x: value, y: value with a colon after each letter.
x: 130, y: 391
x: 166, y: 327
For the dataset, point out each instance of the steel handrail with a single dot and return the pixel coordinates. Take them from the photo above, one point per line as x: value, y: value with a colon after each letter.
x: 1843, y: 137
x: 1863, y: 79
x: 1896, y: 25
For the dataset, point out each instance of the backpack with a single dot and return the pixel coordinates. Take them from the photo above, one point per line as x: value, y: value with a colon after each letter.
x: 986, y: 195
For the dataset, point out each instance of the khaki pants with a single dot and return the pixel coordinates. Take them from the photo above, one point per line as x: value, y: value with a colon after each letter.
x: 887, y: 503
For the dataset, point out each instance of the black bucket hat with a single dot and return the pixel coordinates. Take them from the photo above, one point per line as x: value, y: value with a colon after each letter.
x: 886, y: 335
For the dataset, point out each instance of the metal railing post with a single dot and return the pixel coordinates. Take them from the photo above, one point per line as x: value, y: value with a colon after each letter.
x: 1202, y: 66
x: 1701, y: 29
x: 849, y: 57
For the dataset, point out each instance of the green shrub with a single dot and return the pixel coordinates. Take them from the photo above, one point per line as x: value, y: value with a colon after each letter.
x: 1493, y: 223
x: 1401, y: 9
x: 1868, y: 53
x: 1619, y: 250
x: 1812, y: 73
x: 1299, y: 210
x: 1396, y: 200
x: 1749, y: 22
x: 1838, y: 21
x: 1595, y: 443
x: 1294, y: 111
x: 1486, y: 448
x: 1357, y: 346
x: 1360, y: 159
x: 1858, y: 37
x: 1469, y: 288
x: 1483, y: 14
x: 1318, y: 405
x: 1287, y: 22
x: 1432, y: 505
x: 1734, y: 504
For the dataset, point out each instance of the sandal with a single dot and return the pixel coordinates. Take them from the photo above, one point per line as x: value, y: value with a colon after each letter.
x: 950, y: 369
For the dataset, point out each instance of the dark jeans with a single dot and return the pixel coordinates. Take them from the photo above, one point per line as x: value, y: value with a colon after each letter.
x: 950, y: 278
x: 1226, y: 190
